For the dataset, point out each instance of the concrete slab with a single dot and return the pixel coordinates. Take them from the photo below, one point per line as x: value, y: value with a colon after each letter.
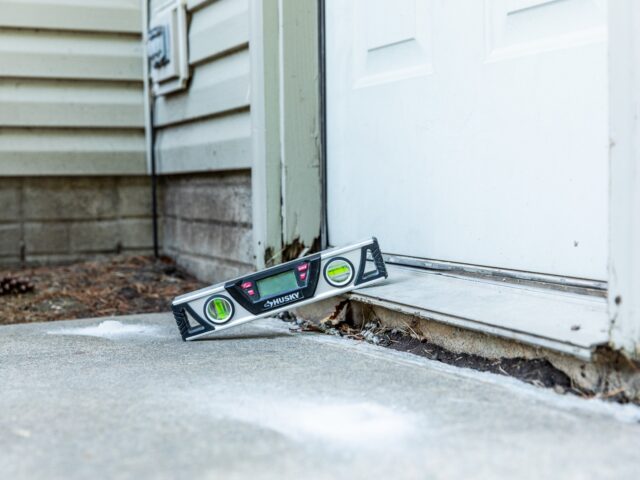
x: 126, y: 398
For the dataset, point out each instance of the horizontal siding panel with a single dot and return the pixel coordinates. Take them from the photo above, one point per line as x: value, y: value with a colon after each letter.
x: 155, y: 5
x: 71, y: 152
x: 28, y: 103
x: 220, y: 27
x: 92, y: 15
x: 221, y: 143
x: 46, y: 54
x: 71, y: 88
x: 207, y: 127
x: 215, y: 87
x: 195, y: 4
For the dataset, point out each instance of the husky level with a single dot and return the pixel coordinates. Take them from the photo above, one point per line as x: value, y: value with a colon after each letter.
x: 275, y: 289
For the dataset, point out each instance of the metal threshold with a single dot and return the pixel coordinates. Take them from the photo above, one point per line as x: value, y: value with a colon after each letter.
x: 568, y: 322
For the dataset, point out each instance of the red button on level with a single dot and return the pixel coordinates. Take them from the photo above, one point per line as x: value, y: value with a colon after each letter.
x: 251, y: 292
x: 303, y: 276
x: 247, y: 285
x: 303, y: 267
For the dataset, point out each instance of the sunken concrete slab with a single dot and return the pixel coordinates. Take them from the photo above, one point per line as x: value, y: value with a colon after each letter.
x: 126, y: 398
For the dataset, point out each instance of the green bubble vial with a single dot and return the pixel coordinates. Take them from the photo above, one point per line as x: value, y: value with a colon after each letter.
x: 219, y: 309
x: 339, y: 272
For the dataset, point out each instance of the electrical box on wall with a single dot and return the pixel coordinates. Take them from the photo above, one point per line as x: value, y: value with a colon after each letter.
x: 167, y: 48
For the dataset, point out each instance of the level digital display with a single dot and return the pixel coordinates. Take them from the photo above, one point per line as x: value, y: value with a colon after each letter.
x: 281, y: 283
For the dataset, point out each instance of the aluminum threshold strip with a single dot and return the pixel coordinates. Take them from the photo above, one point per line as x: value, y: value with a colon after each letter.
x: 495, y: 273
x: 570, y: 323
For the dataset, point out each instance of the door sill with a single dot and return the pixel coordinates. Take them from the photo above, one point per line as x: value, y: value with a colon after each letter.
x: 567, y: 322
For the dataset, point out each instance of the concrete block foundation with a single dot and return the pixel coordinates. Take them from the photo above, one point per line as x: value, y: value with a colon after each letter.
x: 63, y: 219
x: 204, y: 219
x: 207, y: 223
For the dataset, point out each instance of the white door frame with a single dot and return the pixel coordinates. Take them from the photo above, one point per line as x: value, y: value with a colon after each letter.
x: 624, y: 158
x: 287, y: 155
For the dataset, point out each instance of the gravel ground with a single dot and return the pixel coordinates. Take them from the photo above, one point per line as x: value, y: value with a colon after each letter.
x: 118, y: 286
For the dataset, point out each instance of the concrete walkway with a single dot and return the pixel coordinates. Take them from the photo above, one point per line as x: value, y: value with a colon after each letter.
x: 126, y: 398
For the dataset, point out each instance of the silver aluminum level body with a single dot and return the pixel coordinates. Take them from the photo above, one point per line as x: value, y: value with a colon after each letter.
x: 359, y: 265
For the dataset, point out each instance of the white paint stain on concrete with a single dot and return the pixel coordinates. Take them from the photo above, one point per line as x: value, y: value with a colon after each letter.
x: 354, y: 424
x: 337, y: 423
x: 111, y: 329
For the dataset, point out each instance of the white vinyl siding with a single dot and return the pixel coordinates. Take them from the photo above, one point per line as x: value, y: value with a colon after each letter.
x: 89, y: 15
x: 207, y: 126
x: 71, y: 87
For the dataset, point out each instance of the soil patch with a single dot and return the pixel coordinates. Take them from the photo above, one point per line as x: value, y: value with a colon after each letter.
x: 536, y: 371
x: 116, y: 286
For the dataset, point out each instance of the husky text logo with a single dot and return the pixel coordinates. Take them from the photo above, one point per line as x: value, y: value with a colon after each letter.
x: 274, y: 302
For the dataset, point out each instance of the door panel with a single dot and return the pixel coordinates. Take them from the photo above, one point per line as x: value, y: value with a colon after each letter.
x: 470, y: 131
x: 399, y: 50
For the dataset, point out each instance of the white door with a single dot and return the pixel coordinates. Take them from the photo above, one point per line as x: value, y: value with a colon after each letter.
x: 470, y: 131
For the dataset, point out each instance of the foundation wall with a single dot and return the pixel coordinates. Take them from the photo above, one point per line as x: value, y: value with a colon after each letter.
x: 62, y: 219
x: 207, y: 223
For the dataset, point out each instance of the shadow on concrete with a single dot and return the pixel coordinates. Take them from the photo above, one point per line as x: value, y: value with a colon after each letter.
x: 247, y: 336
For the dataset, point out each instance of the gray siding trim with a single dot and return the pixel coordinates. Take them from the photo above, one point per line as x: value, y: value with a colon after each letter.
x: 287, y: 201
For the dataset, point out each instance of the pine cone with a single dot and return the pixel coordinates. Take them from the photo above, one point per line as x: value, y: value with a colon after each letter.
x: 14, y: 285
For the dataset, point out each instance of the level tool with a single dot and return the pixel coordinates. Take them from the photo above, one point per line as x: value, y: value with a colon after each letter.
x: 278, y: 288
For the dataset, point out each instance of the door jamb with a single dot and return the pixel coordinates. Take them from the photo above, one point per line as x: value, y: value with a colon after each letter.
x: 265, y: 131
x: 285, y: 117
